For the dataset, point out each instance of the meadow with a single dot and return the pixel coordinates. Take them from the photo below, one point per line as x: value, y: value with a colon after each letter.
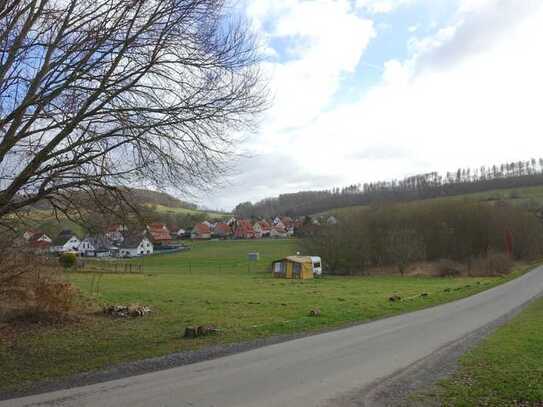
x: 213, y: 283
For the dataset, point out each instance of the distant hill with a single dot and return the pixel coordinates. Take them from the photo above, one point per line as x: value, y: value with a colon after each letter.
x: 145, y: 197
x: 148, y: 197
x: 529, y: 198
x: 508, y: 176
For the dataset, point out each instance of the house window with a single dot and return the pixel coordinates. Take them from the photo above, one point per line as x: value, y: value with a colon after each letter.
x: 278, y: 267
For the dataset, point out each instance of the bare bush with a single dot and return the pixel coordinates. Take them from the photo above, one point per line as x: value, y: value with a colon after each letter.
x: 493, y: 264
x: 400, y: 235
x: 32, y: 287
x: 449, y: 268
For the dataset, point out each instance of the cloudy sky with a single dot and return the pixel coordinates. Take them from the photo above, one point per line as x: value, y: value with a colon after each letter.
x: 367, y: 90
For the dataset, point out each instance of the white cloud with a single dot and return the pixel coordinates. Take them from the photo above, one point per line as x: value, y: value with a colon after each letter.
x: 381, y: 6
x: 482, y: 110
x: 469, y: 95
x: 326, y: 41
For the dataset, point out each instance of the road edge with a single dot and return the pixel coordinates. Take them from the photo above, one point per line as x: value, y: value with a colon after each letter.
x: 396, y: 389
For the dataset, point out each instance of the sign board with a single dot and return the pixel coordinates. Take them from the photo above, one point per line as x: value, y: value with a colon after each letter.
x: 253, y: 256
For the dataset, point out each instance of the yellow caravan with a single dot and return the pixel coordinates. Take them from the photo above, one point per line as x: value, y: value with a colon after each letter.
x: 296, y: 267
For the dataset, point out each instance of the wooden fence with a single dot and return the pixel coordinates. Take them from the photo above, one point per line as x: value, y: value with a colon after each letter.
x: 107, y: 266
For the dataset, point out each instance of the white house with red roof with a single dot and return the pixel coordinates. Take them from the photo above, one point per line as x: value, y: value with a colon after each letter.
x: 159, y: 233
x: 201, y: 231
x: 262, y: 229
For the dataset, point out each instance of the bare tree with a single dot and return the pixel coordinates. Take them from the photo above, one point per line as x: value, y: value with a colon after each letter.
x: 100, y: 94
x: 404, y: 246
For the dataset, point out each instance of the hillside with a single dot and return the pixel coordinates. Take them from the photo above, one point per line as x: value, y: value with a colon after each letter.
x: 149, y: 197
x: 143, y: 197
x: 530, y: 198
x: 154, y: 207
x: 484, y: 180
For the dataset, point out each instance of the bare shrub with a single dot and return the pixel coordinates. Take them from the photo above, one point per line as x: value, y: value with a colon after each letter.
x: 493, y: 264
x: 32, y: 287
x: 56, y: 298
x: 449, y: 268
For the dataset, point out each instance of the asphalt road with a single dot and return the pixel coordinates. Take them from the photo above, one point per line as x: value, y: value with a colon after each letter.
x: 311, y: 371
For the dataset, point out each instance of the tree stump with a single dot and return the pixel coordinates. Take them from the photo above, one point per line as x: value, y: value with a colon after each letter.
x: 204, y: 330
x: 191, y: 332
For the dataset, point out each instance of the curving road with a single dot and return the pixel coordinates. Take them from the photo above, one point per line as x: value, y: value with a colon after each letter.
x: 309, y: 371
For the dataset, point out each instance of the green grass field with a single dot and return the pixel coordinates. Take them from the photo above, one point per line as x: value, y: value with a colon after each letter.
x: 506, y: 369
x: 212, y: 283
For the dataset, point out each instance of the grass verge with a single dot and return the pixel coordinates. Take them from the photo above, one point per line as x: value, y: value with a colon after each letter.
x: 506, y: 369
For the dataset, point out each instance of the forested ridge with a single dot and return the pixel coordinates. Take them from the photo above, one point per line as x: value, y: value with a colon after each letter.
x: 423, y: 186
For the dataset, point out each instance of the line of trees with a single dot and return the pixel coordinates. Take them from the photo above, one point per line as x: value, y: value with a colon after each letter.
x: 423, y: 186
x: 428, y: 231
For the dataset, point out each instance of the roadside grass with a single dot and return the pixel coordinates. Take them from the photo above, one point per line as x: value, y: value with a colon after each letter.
x: 506, y: 369
x: 212, y: 283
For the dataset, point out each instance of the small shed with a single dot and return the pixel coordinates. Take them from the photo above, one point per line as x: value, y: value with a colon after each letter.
x: 293, y: 267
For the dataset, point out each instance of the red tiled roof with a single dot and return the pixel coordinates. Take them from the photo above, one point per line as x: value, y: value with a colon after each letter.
x: 157, y: 226
x: 202, y: 229
x: 35, y: 236
x: 159, y: 232
x: 264, y: 225
x: 244, y: 229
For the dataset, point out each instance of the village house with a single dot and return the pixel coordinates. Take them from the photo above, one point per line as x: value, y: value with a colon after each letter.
x: 221, y: 231
x: 210, y: 225
x: 279, y: 232
x: 95, y: 246
x: 116, y: 232
x: 36, y: 236
x: 135, y: 246
x: 262, y: 229
x: 243, y: 229
x: 159, y: 234
x: 38, y: 241
x: 200, y: 231
x: 181, y: 233
x: 66, y: 241
x: 287, y: 221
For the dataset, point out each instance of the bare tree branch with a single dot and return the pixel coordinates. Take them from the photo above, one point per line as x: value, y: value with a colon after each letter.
x: 100, y: 95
